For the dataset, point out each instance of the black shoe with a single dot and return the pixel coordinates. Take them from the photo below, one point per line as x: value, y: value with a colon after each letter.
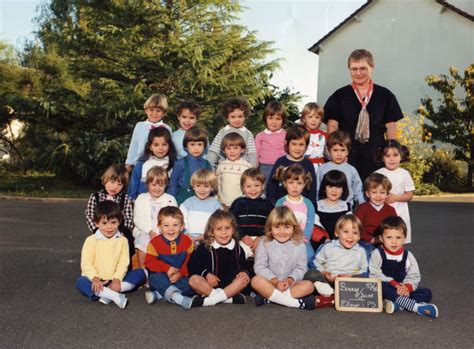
x: 239, y: 298
x: 259, y: 300
x: 307, y: 303
x: 197, y: 302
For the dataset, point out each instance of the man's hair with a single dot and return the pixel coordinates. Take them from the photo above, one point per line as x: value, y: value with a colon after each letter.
x: 235, y: 103
x: 233, y: 139
x: 340, y: 138
x: 195, y: 134
x: 107, y: 209
x: 192, y: 106
x: 170, y: 211
x: 115, y: 172
x: 156, y: 100
x: 359, y: 55
x: 376, y: 179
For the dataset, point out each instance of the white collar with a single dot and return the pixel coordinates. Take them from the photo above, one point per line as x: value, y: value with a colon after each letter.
x: 268, y: 132
x: 295, y: 201
x: 229, y: 246
x: 158, y: 123
x: 100, y: 236
x: 377, y: 207
x: 228, y: 127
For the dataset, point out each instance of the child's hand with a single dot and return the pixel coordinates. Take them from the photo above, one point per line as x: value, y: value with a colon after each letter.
x: 171, y: 271
x: 345, y: 275
x: 212, y: 280
x: 390, y: 199
x: 247, y: 240
x: 129, y: 168
x: 97, y: 285
x: 282, y: 286
x: 243, y: 276
x: 175, y: 277
x: 152, y: 234
x: 115, y: 285
x: 255, y: 244
x: 402, y: 290
x: 329, y: 277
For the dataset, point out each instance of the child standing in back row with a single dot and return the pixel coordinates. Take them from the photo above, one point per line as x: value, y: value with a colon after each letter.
x: 155, y: 109
x: 270, y: 143
x: 403, y: 186
x: 188, y: 115
x: 399, y: 272
x: 311, y: 119
x: 235, y: 111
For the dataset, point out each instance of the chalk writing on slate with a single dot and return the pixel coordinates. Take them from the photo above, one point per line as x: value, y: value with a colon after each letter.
x: 358, y: 294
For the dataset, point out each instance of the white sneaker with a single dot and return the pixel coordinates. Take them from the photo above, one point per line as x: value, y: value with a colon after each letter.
x: 105, y: 301
x: 122, y: 303
x: 390, y: 307
x: 323, y: 288
x: 152, y: 296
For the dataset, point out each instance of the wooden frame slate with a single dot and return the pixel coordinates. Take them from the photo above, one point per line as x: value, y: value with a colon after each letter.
x: 358, y: 294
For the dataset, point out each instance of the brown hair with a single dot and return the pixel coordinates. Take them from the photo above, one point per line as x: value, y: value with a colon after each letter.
x: 170, y: 211
x: 376, y: 179
x: 219, y: 215
x: 282, y: 215
x: 252, y: 173
x: 339, y: 138
x: 115, y: 172
x: 359, y: 55
x: 235, y: 103
x: 192, y: 106
x: 296, y: 132
x: 274, y: 108
x: 294, y: 172
x: 108, y: 209
x: 233, y: 139
x: 195, y: 134
x: 392, y: 222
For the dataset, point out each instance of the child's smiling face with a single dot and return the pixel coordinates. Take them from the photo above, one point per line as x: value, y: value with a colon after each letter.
x: 283, y: 232
x: 159, y: 147
x: 377, y: 195
x: 170, y: 227
x: 187, y: 119
x: 312, y: 120
x: 297, y: 148
x: 108, y: 227
x: 252, y: 188
x: 393, y: 239
x: 156, y: 189
x: 223, y: 231
x: 348, y: 234
x: 154, y: 114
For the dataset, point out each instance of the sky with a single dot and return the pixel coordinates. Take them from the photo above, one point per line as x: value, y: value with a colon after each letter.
x: 292, y: 26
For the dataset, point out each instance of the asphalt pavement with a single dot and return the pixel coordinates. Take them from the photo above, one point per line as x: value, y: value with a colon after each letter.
x: 40, y: 244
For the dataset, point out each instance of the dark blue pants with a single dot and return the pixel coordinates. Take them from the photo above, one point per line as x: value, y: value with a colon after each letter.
x: 136, y: 277
x: 420, y: 295
x: 160, y: 282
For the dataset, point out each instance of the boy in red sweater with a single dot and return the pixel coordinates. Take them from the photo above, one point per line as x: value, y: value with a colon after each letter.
x: 373, y: 212
x: 167, y: 258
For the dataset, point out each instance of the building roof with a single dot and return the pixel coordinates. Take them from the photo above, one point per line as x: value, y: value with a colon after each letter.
x: 462, y: 8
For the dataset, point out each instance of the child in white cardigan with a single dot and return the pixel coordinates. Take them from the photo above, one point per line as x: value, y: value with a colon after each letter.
x: 146, y: 210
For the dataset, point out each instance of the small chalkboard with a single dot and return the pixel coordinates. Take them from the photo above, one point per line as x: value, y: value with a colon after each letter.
x: 358, y: 294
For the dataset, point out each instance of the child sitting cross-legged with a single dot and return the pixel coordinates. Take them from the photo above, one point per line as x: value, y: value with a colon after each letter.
x: 340, y: 257
x: 399, y: 272
x: 251, y: 211
x: 105, y: 260
x: 195, y: 142
x: 167, y: 261
x: 198, y: 208
x: 218, y: 266
x: 147, y: 207
x: 280, y: 263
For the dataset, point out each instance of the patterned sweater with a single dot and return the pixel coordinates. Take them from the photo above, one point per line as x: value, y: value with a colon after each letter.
x: 162, y: 254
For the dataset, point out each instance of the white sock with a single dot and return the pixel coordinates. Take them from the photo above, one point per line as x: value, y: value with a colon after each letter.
x: 323, y: 288
x: 217, y: 296
x: 177, y: 297
x: 126, y: 286
x: 109, y: 294
x: 284, y: 299
x: 228, y: 301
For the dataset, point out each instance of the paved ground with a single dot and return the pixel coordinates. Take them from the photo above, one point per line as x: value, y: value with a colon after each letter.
x: 40, y: 246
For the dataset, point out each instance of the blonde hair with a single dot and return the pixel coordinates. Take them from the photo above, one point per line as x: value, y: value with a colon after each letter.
x: 157, y: 174
x: 282, y: 215
x: 156, y: 100
x: 312, y: 107
x: 219, y: 215
x: 115, y: 172
x: 205, y: 176
x: 348, y: 218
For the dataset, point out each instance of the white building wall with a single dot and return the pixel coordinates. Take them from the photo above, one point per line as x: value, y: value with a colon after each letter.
x: 409, y: 39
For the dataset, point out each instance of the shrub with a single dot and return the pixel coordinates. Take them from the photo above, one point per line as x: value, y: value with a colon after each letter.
x: 444, y: 171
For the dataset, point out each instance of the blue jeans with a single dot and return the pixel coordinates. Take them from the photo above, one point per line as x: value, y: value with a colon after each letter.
x: 420, y: 295
x: 266, y: 170
x: 135, y: 277
x: 160, y: 282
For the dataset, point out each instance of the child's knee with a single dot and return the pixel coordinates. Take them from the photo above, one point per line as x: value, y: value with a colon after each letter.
x: 257, y: 282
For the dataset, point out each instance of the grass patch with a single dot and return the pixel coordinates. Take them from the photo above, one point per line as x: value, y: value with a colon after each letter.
x: 40, y: 184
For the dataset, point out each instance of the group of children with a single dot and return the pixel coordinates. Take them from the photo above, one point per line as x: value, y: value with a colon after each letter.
x: 279, y: 216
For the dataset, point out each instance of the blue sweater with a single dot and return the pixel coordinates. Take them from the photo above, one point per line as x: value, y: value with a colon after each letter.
x: 178, y: 179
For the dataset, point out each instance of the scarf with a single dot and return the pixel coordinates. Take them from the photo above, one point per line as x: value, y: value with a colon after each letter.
x: 362, y: 132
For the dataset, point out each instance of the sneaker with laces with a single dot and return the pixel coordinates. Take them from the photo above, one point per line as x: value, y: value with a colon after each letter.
x: 324, y: 301
x: 307, y: 303
x: 259, y: 300
x: 390, y: 307
x: 323, y: 288
x: 427, y: 309
x: 239, y: 298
